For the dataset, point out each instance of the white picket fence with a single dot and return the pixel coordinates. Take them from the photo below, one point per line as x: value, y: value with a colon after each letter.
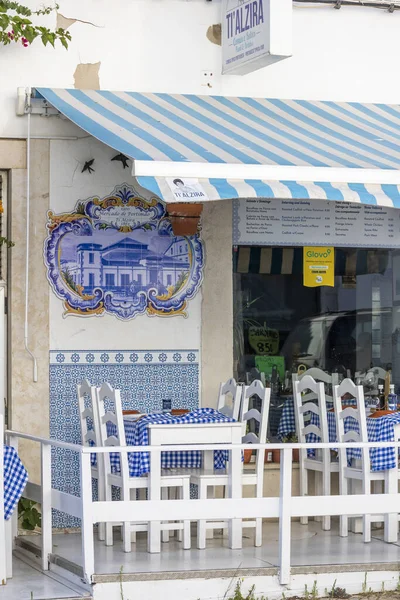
x: 285, y: 507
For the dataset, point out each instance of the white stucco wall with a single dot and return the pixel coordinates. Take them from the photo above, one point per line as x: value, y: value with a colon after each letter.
x: 68, y: 185
x: 161, y: 45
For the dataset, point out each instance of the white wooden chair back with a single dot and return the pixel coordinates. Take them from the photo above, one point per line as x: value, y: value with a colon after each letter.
x: 303, y: 406
x: 318, y: 375
x: 229, y: 399
x: 261, y: 417
x: 88, y: 414
x: 358, y: 413
x: 110, y: 412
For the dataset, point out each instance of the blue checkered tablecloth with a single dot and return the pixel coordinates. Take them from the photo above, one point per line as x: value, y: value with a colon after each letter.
x: 15, y: 478
x: 379, y: 430
x: 137, y: 434
x: 287, y: 424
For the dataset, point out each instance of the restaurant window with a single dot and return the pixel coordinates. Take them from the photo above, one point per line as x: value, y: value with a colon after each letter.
x: 91, y: 258
x: 125, y: 280
x: 281, y: 325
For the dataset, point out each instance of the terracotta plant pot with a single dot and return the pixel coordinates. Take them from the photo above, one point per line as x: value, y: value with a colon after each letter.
x: 183, y: 226
x: 276, y: 456
x: 247, y: 456
x: 184, y: 209
x: 296, y: 455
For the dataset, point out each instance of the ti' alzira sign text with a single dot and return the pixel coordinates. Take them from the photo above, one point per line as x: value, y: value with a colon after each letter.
x: 118, y: 255
x: 244, y: 35
x: 255, y: 33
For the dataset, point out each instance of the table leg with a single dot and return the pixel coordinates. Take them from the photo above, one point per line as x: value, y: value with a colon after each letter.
x: 208, y: 465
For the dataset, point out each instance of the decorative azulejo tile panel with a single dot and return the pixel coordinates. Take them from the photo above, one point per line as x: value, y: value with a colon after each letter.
x: 145, y: 378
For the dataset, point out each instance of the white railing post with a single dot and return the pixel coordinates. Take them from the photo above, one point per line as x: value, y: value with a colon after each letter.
x: 47, y: 541
x: 285, y: 515
x: 154, y: 534
x: 87, y: 520
x: 235, y: 526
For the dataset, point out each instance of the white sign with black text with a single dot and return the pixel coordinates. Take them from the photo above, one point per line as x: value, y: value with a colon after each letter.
x: 264, y: 222
x: 186, y: 190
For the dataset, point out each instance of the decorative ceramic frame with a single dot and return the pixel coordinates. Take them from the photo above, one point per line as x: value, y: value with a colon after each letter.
x: 124, y: 211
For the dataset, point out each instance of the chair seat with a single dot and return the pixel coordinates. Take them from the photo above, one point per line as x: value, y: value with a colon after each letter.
x: 314, y: 464
x: 355, y: 473
x: 169, y: 478
x: 221, y: 477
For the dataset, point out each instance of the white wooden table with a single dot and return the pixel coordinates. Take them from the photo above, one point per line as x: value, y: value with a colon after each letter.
x: 197, y: 433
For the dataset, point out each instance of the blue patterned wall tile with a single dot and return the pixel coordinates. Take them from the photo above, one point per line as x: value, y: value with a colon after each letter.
x: 144, y: 383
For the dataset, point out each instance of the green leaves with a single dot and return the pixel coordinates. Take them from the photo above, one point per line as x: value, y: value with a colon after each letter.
x: 29, y: 516
x: 16, y: 27
x: 4, y: 240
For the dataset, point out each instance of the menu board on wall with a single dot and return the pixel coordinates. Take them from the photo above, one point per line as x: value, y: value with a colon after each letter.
x: 263, y: 222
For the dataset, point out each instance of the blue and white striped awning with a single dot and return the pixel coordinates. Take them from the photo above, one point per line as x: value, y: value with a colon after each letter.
x: 225, y: 189
x: 219, y: 131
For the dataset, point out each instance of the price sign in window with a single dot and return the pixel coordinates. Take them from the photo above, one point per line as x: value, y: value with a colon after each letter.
x: 263, y: 340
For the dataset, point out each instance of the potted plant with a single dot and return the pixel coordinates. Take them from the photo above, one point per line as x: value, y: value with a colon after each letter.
x: 184, y: 217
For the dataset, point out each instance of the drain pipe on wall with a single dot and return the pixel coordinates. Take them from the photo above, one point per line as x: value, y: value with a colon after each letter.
x: 27, y: 239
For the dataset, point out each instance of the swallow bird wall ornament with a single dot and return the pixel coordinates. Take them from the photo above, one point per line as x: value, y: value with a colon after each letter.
x: 88, y: 166
x: 122, y: 159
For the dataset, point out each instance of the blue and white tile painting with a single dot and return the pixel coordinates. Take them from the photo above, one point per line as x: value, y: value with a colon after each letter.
x: 145, y: 378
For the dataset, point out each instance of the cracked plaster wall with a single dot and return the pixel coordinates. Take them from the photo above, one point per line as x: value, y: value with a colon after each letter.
x: 86, y: 77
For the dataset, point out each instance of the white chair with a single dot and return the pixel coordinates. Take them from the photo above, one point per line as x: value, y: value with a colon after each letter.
x: 205, y: 479
x: 361, y: 471
x: 110, y: 412
x: 229, y: 399
x: 321, y: 463
x: 90, y: 435
x: 318, y: 375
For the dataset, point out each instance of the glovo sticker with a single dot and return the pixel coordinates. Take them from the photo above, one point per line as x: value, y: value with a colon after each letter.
x: 318, y: 266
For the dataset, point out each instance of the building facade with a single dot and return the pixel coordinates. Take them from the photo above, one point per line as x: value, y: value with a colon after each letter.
x: 339, y: 55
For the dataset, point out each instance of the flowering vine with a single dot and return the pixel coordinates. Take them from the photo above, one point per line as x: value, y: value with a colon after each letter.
x: 16, y: 25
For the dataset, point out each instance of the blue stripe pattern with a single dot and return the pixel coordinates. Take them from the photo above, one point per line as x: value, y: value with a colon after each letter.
x: 236, y: 130
x: 221, y: 189
x: 218, y: 130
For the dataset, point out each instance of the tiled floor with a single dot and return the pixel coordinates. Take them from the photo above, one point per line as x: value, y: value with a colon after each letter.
x: 310, y: 546
x: 29, y: 583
